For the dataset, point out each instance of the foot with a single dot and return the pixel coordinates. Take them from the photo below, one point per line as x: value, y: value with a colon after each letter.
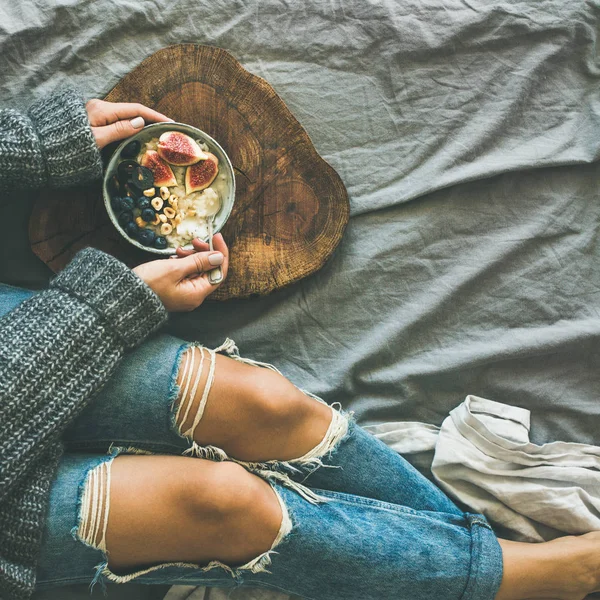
x: 592, y: 548
x: 578, y: 558
x: 567, y: 568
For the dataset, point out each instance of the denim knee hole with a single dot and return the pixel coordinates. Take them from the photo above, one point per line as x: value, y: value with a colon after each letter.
x: 189, y: 367
x: 94, y: 511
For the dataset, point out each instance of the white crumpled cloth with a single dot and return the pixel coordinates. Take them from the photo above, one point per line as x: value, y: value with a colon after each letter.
x: 482, y: 457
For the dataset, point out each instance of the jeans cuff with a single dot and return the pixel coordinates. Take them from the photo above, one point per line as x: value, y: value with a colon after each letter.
x: 485, y: 573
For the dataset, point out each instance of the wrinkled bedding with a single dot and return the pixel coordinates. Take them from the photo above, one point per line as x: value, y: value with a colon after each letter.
x: 467, y: 133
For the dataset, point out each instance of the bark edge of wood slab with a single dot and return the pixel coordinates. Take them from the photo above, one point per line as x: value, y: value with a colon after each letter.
x: 291, y: 206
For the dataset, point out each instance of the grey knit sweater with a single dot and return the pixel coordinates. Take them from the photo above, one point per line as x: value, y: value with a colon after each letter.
x: 60, y: 346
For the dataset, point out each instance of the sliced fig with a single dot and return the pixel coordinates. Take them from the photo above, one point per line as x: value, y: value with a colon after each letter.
x: 200, y: 175
x: 163, y: 175
x: 179, y: 149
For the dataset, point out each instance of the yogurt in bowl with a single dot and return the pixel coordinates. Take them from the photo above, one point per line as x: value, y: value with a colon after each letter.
x: 163, y: 185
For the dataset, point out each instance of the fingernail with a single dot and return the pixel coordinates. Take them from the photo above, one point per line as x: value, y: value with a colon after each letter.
x: 137, y: 123
x: 216, y: 258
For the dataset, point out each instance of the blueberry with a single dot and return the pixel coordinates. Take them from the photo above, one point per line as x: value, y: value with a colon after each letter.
x: 146, y: 237
x: 117, y: 203
x: 125, y: 217
x: 132, y: 229
x: 132, y: 149
x: 127, y: 203
x: 148, y: 215
x: 160, y: 243
x: 142, y: 202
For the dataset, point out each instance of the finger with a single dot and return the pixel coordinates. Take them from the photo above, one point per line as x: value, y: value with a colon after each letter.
x: 126, y: 110
x: 199, y: 246
x: 199, y: 262
x: 105, y: 113
x: 117, y: 131
x: 220, y: 245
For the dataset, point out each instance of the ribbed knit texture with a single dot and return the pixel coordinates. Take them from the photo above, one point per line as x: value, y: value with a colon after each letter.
x: 60, y: 346
x: 52, y: 145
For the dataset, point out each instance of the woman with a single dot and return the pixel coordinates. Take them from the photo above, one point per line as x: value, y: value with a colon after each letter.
x: 280, y: 491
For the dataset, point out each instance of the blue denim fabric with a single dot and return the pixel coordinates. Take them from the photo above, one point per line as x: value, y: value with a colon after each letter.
x: 134, y: 407
x: 384, y: 532
x: 12, y: 296
x: 365, y: 466
x: 349, y: 547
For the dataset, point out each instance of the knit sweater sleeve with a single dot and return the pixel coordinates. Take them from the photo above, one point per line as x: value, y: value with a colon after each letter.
x: 51, y: 144
x: 59, y: 347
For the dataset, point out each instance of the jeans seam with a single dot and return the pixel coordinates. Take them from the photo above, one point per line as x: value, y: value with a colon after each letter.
x: 474, y: 540
x: 341, y: 497
x: 478, y: 527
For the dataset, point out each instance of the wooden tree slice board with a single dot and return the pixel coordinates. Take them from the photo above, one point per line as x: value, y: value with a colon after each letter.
x: 291, y: 207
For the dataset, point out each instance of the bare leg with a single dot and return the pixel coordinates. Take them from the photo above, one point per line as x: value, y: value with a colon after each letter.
x: 567, y: 568
x: 171, y: 508
x: 252, y: 413
x: 255, y: 414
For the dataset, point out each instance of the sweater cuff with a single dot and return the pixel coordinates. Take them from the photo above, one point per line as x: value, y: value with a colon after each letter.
x: 112, y: 289
x: 68, y: 146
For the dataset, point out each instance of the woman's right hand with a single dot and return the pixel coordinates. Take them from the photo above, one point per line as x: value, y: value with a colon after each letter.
x: 182, y: 284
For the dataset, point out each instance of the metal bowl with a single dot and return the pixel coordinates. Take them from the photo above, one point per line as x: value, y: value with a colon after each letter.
x: 154, y: 131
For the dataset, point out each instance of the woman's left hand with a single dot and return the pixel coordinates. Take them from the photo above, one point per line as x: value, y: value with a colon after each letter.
x: 114, y: 121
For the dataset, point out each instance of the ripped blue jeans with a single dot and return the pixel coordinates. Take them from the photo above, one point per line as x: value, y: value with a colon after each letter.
x: 358, y: 520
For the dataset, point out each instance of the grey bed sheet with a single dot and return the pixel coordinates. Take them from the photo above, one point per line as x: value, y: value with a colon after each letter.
x: 467, y: 133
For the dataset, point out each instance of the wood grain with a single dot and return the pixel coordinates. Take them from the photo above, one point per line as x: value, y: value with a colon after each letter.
x: 291, y: 207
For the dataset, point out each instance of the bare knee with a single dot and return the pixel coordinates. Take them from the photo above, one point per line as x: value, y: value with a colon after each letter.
x: 252, y: 413
x: 278, y: 421
x: 145, y: 510
x: 279, y: 404
x: 230, y: 497
x: 211, y: 385
x: 237, y: 511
